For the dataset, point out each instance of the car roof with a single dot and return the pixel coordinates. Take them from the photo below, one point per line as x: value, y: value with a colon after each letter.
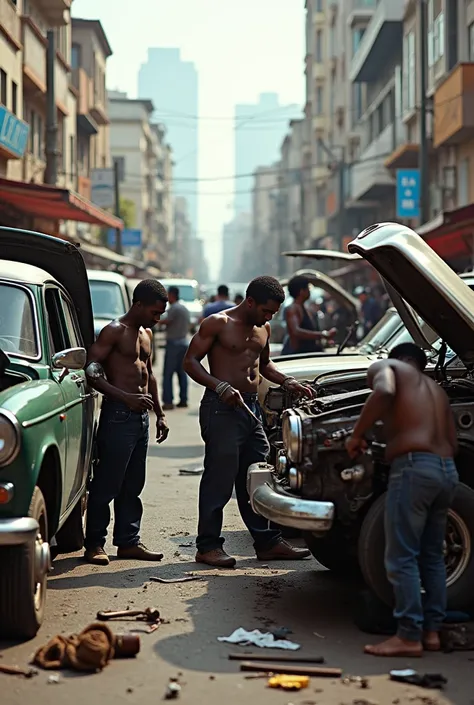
x: 21, y: 272
x: 104, y: 276
x: 177, y: 282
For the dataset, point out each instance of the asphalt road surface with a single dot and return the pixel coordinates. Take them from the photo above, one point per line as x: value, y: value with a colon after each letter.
x: 309, y: 601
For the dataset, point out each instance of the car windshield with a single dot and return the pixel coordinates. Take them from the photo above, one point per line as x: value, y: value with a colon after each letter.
x: 18, y: 332
x: 187, y: 292
x: 107, y: 300
x: 388, y: 325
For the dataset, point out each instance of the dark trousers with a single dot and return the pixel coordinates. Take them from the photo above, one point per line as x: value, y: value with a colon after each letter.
x: 119, y: 476
x: 174, y: 356
x: 420, y: 492
x: 233, y: 442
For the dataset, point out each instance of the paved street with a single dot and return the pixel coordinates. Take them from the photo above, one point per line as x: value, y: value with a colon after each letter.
x: 311, y: 603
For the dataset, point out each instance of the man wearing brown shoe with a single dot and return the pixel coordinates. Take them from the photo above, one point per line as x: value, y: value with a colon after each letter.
x: 236, y: 343
x: 119, y: 366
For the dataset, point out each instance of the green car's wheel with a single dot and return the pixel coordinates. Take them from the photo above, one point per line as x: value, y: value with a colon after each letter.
x: 23, y: 578
x: 70, y: 537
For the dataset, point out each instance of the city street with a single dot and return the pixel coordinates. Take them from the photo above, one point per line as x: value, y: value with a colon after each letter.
x: 310, y: 602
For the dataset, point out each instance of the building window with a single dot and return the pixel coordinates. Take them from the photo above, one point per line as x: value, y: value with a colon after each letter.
x: 319, y: 6
x: 319, y: 100
x: 463, y: 183
x: 3, y: 87
x: 357, y: 35
x: 409, y: 71
x: 435, y: 32
x: 76, y: 56
x: 14, y: 98
x: 320, y: 155
x: 357, y: 98
x: 318, y: 53
x: 39, y: 137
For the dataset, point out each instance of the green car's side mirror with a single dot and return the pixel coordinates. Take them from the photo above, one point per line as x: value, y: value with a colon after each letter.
x: 70, y: 359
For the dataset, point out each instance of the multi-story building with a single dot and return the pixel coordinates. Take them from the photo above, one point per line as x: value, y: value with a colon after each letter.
x: 172, y: 84
x: 267, y: 228
x: 164, y: 200
x: 89, y: 54
x: 236, y: 239
x: 259, y: 130
x: 133, y: 145
x: 181, y: 262
x: 293, y: 192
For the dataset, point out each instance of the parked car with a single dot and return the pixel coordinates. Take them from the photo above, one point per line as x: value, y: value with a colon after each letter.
x: 189, y: 296
x: 48, y: 417
x: 110, y: 295
x: 339, y: 504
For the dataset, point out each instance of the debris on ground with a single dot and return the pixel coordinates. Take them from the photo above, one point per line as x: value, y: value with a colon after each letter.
x: 290, y: 669
x: 285, y: 682
x: 285, y: 658
x: 170, y: 581
x: 320, y: 636
x: 428, y: 680
x: 186, y: 545
x: 191, y: 471
x: 173, y: 690
x: 149, y: 614
x: 281, y: 632
x: 262, y: 639
x: 54, y: 679
x: 18, y: 671
x: 91, y: 650
x: 361, y: 681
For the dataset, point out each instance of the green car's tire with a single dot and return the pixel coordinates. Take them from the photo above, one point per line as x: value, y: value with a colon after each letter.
x: 70, y: 537
x: 23, y: 579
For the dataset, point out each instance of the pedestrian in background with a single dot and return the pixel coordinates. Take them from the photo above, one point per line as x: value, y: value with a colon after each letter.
x: 238, y: 299
x: 221, y: 302
x: 371, y: 308
x: 303, y: 328
x: 177, y: 325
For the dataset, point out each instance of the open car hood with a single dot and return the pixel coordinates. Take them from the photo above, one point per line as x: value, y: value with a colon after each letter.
x: 62, y: 260
x: 322, y: 254
x: 427, y: 284
x: 323, y: 281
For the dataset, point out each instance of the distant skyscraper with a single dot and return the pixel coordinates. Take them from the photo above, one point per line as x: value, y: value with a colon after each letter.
x: 172, y: 85
x: 259, y: 131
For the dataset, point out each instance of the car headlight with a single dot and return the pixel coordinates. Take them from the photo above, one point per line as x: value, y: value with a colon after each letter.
x: 10, y: 438
x: 292, y: 433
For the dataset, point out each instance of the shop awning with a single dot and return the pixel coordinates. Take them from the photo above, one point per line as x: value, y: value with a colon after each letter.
x: 50, y: 202
x: 105, y: 253
x: 451, y: 233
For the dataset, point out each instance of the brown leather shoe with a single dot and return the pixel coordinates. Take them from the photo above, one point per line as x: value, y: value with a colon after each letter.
x: 96, y: 556
x: 218, y: 558
x: 283, y: 551
x: 138, y: 553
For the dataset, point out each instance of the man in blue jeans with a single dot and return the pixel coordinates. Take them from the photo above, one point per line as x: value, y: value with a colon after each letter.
x: 177, y: 324
x: 421, y: 445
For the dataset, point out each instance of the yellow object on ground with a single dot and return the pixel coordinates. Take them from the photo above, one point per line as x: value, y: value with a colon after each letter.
x: 288, y: 682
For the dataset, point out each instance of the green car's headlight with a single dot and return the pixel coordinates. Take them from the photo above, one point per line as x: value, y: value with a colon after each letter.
x: 10, y: 438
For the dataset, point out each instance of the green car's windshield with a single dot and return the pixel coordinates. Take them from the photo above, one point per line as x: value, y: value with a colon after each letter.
x: 107, y: 300
x: 18, y: 332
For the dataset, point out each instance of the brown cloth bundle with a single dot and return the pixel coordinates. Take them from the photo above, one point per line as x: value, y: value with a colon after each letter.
x: 91, y: 650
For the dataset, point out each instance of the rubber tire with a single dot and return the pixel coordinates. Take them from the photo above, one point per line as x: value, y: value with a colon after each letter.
x: 19, y: 618
x: 332, y: 552
x: 372, y: 548
x: 70, y: 537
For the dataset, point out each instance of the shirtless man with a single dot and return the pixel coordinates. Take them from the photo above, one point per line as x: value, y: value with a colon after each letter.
x: 303, y: 332
x: 421, y: 444
x: 236, y: 343
x: 119, y: 367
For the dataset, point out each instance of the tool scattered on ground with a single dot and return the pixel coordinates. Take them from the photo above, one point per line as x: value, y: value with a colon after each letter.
x: 361, y: 681
x: 285, y: 682
x: 284, y: 658
x: 258, y: 638
x: 170, y: 581
x: 91, y: 650
x: 428, y: 680
x: 18, y: 671
x: 192, y: 471
x: 150, y: 614
x: 173, y: 690
x: 291, y: 670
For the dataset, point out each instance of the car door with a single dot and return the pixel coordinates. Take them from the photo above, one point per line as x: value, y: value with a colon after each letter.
x: 72, y: 387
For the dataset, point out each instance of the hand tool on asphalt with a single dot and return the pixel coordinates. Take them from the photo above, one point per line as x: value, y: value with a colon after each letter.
x: 294, y: 670
x: 176, y: 580
x: 283, y: 658
x: 150, y: 614
x: 17, y: 671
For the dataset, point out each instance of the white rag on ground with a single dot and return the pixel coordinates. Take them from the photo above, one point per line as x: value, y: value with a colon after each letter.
x: 265, y: 640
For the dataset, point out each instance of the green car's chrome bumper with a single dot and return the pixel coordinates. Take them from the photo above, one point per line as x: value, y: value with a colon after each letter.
x: 14, y: 532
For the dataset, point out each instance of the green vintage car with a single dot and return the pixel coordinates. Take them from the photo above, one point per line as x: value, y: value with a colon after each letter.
x: 48, y: 417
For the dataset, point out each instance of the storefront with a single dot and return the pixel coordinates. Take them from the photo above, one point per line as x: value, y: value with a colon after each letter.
x: 451, y: 235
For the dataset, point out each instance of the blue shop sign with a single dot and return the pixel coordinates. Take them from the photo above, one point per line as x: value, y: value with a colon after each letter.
x: 13, y: 133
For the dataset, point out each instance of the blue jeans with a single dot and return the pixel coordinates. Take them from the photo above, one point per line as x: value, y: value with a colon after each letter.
x: 119, y: 476
x: 420, y: 492
x: 233, y: 442
x: 174, y: 356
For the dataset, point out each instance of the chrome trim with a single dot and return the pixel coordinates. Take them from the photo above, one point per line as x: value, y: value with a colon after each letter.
x: 294, y: 442
x: 14, y: 532
x: 16, y: 425
x: 284, y: 510
x: 43, y: 417
x: 38, y: 357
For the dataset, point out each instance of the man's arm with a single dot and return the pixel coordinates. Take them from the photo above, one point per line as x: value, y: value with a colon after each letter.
x: 269, y: 370
x: 162, y: 429
x: 98, y: 353
x: 293, y: 320
x: 382, y: 380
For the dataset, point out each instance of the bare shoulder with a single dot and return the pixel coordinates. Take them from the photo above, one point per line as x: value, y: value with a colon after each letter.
x: 213, y: 325
x: 149, y: 333
x: 113, y: 330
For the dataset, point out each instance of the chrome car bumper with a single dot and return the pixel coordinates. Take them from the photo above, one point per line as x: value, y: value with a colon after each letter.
x: 285, y: 509
x: 14, y: 532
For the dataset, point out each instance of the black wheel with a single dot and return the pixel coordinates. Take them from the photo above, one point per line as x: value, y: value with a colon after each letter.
x: 459, y: 554
x: 23, y: 579
x: 333, y: 551
x: 70, y: 537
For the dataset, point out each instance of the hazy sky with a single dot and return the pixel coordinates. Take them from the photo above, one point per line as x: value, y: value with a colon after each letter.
x: 240, y: 48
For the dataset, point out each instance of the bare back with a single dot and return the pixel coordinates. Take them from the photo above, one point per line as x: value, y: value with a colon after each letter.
x: 124, y: 351
x: 420, y: 418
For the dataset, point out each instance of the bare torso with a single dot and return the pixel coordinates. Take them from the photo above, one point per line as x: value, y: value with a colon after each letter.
x: 235, y: 354
x: 126, y: 365
x: 420, y: 419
